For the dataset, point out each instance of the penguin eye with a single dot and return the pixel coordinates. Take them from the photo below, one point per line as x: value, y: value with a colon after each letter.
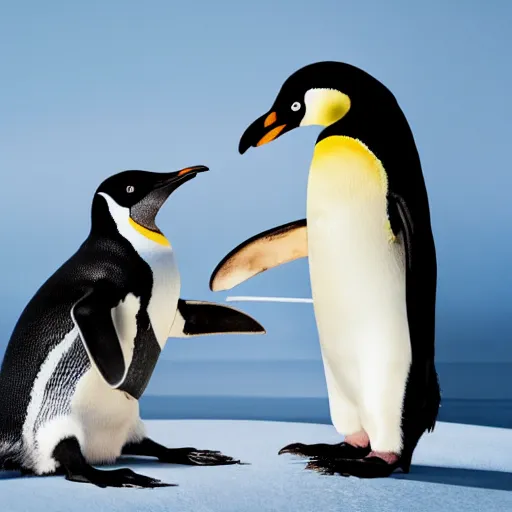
x: 130, y: 189
x: 295, y: 106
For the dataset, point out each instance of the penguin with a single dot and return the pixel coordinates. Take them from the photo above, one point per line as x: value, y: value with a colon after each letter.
x: 372, y: 264
x: 85, y: 346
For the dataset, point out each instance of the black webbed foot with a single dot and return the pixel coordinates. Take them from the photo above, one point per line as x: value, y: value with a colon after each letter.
x: 194, y: 457
x: 115, y: 478
x: 339, y: 450
x: 73, y: 464
x: 368, y: 467
x: 188, y: 456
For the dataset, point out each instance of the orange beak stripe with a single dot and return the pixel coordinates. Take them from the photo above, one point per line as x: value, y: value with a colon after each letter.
x: 271, y: 135
x: 270, y: 119
x: 186, y: 170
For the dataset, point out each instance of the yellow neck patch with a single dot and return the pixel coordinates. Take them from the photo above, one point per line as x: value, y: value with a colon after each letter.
x: 340, y: 153
x: 151, y: 235
x: 324, y: 107
x: 353, y: 152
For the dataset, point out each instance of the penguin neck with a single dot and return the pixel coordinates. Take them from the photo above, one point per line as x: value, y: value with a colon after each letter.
x: 382, y: 127
x: 110, y: 220
x: 356, y: 123
x: 379, y: 124
x: 103, y: 224
x: 154, y: 235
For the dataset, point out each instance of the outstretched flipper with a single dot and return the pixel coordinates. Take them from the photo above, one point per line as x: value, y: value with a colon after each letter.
x: 187, y: 456
x: 197, y: 318
x: 261, y: 252
x: 72, y: 462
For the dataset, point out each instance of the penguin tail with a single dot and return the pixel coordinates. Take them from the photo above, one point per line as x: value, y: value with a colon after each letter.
x: 10, y: 456
x: 433, y: 402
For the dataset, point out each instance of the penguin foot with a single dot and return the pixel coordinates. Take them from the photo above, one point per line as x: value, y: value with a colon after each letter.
x: 188, y: 456
x: 73, y: 464
x: 194, y: 457
x: 367, y: 467
x: 115, y: 478
x: 339, y: 451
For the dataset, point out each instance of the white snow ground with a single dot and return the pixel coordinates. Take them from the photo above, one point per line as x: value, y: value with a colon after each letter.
x: 457, y: 468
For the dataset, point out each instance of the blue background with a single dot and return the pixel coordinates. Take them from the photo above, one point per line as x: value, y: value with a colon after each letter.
x: 92, y: 88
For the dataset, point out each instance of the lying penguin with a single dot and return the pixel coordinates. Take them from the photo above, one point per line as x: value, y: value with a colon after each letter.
x: 372, y: 263
x: 85, y: 346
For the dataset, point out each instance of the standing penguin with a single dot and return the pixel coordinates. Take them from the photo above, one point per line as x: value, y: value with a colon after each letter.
x: 85, y: 346
x: 372, y: 265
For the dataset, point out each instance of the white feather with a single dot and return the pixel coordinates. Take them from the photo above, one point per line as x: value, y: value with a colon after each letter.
x: 49, y: 435
x: 109, y: 418
x: 124, y: 317
x: 38, y: 451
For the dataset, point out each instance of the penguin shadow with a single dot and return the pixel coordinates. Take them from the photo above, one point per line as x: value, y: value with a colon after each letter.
x: 476, y: 478
x: 12, y: 475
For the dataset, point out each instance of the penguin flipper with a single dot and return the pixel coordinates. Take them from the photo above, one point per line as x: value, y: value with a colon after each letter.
x: 266, y: 250
x: 420, y: 278
x: 197, y: 318
x: 92, y: 315
x: 401, y: 221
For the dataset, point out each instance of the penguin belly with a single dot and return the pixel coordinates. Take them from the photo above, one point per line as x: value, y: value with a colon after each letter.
x: 108, y: 419
x: 358, y: 286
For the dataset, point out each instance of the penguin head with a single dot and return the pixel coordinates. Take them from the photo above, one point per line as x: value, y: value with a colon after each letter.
x: 318, y: 94
x: 141, y: 194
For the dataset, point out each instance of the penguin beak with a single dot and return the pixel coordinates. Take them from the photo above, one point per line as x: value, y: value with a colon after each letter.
x: 175, y: 179
x: 265, y: 129
x: 144, y: 212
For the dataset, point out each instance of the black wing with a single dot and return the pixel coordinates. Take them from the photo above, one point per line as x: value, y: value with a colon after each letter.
x: 421, y: 277
x: 198, y: 318
x: 92, y: 315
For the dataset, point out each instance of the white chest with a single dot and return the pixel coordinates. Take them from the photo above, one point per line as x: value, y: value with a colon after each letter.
x: 357, y: 269
x: 166, y: 289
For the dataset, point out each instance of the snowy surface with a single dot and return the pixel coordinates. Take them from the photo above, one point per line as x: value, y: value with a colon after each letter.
x: 457, y: 468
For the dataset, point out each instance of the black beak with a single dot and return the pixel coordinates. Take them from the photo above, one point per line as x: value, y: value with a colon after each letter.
x: 179, y: 177
x: 145, y: 211
x: 265, y: 129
